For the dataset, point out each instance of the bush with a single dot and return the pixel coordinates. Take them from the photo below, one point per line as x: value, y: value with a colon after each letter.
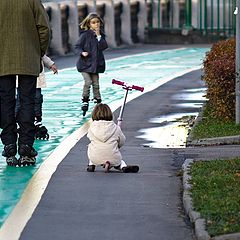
x: 219, y: 75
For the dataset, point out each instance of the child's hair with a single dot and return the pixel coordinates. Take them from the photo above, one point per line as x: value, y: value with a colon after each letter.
x: 102, y: 112
x: 85, y: 24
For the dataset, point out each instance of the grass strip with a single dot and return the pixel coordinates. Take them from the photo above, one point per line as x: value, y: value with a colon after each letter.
x: 210, y: 127
x: 216, y: 194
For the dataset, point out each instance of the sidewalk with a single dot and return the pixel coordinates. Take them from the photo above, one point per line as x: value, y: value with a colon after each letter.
x: 144, y: 206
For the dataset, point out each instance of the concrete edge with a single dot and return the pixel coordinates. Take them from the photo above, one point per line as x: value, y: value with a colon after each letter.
x: 195, y: 217
x: 228, y: 140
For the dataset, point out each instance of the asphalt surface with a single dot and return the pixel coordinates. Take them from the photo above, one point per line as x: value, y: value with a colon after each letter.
x: 144, y: 206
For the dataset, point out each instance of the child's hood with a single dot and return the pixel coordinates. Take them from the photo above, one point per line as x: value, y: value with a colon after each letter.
x: 103, y: 130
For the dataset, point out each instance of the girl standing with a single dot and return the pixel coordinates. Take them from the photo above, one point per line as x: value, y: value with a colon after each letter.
x: 106, y: 140
x: 91, y: 62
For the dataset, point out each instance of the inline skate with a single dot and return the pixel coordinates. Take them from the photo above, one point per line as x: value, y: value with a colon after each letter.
x: 27, y: 155
x: 9, y: 153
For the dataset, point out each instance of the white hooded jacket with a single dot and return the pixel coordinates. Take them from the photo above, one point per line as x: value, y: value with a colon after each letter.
x: 106, y: 139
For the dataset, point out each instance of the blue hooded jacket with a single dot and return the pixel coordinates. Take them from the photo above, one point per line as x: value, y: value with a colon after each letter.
x: 94, y: 62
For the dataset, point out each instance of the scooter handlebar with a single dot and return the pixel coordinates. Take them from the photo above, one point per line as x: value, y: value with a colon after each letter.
x: 141, y: 89
x: 114, y: 81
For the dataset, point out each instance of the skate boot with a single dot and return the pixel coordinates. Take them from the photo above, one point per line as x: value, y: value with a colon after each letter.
x: 41, y: 131
x: 130, y: 169
x: 85, y: 105
x: 9, y: 152
x: 97, y: 100
x: 27, y: 155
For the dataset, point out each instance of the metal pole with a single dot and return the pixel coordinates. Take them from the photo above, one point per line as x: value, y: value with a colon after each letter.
x: 237, y: 89
x: 159, y: 13
x: 188, y: 13
x: 120, y: 118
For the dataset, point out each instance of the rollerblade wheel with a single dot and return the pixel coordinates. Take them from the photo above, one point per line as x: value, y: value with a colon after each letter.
x: 19, y: 163
x: 47, y: 136
x: 27, y: 161
x: 33, y: 162
x: 12, y: 161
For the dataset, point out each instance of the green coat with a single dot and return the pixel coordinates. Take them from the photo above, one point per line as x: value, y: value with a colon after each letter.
x: 24, y: 36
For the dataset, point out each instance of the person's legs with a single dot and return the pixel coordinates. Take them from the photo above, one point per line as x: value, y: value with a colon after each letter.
x: 86, y: 91
x: 96, y: 87
x: 87, y: 85
x: 25, y: 119
x: 123, y: 164
x: 41, y: 131
x: 8, y: 121
x: 17, y: 107
x: 38, y: 105
x: 7, y: 118
x: 25, y: 116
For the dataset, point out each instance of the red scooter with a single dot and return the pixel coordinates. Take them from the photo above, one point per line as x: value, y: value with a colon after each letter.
x: 128, y: 88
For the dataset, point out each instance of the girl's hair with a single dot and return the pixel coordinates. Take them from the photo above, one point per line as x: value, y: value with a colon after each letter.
x: 102, y: 112
x: 85, y: 24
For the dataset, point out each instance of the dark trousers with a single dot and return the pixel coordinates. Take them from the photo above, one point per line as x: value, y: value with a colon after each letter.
x: 25, y: 116
x: 37, y: 105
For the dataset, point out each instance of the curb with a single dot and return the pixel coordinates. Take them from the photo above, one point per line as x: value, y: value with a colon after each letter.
x: 214, y: 141
x: 190, y: 142
x: 195, y: 217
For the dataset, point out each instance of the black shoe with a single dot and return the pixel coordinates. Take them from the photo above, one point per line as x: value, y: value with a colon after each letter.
x: 9, y: 152
x: 27, y: 155
x: 91, y: 168
x: 130, y: 169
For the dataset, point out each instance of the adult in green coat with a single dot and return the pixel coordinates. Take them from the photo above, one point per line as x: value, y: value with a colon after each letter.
x: 24, y: 39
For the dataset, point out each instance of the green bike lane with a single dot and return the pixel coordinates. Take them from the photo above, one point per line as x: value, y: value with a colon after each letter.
x: 145, y: 66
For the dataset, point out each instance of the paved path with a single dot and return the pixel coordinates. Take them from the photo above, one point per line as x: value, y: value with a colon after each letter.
x: 147, y: 205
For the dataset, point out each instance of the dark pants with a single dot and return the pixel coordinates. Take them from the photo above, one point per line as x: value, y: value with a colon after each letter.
x: 25, y: 115
x: 37, y: 105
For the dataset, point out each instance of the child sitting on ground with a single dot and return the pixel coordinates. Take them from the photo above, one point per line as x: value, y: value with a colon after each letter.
x: 106, y: 139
